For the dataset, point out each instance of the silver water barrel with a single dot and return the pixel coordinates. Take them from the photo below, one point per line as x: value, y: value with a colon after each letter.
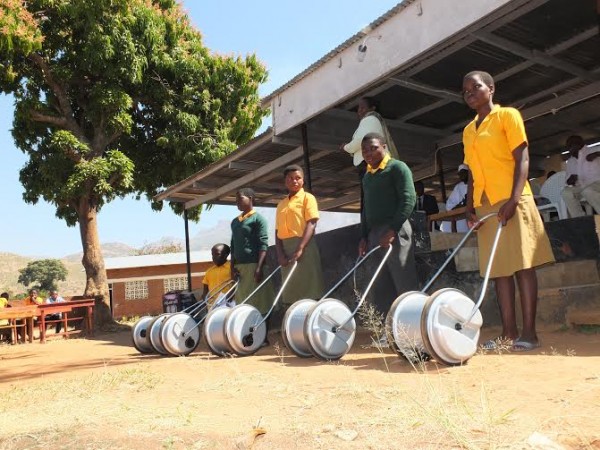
x: 214, y: 331
x: 292, y: 327
x: 241, y: 330
x: 403, y: 326
x: 141, y: 336
x: 322, y: 329
x: 180, y: 334
x: 155, y: 338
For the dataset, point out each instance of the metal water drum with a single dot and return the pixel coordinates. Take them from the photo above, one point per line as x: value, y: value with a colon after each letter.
x: 141, y: 336
x: 321, y: 331
x: 155, y: 339
x: 292, y: 327
x: 446, y: 336
x: 403, y: 326
x: 243, y: 335
x: 214, y: 331
x: 180, y: 334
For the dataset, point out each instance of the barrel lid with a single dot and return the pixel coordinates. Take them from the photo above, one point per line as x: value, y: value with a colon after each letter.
x: 320, y: 329
x: 141, y: 336
x: 450, y: 341
x: 180, y: 334
x: 155, y: 338
x: 240, y: 328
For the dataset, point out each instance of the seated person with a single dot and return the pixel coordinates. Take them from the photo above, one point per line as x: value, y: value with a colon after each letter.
x: 426, y: 202
x: 585, y: 184
x: 458, y: 199
x: 54, y: 298
x: 33, y: 298
x: 218, y: 274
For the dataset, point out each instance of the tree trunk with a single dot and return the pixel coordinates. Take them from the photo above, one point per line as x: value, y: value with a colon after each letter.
x: 93, y: 262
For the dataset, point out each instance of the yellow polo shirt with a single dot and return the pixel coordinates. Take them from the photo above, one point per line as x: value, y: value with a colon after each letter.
x: 3, y: 303
x: 488, y: 153
x: 216, y: 276
x: 294, y: 212
x: 38, y: 301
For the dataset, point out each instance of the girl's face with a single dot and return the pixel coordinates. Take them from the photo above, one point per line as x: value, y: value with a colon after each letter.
x: 243, y: 203
x: 476, y: 93
x: 294, y: 181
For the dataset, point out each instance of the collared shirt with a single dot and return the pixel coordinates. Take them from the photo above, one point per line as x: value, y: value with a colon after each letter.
x: 488, y: 153
x: 381, y: 165
x: 38, y: 301
x: 51, y: 300
x: 293, y: 213
x: 243, y: 217
x: 588, y: 172
x: 216, y: 276
x: 248, y: 238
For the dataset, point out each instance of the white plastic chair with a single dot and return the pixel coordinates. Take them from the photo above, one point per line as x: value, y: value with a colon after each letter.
x: 551, y: 189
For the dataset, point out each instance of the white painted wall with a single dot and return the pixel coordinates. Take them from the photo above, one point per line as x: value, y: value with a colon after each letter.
x: 413, y: 30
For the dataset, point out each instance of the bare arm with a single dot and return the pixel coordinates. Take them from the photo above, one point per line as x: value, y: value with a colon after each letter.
x: 309, y: 232
x: 521, y: 157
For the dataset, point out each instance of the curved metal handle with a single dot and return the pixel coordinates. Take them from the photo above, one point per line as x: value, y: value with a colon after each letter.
x: 261, y: 284
x: 486, y: 276
x: 359, y: 261
x: 455, y: 251
x: 277, y: 297
x: 373, y: 278
x: 217, y: 289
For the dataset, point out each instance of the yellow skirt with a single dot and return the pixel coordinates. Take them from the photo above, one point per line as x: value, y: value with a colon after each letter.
x: 523, y: 242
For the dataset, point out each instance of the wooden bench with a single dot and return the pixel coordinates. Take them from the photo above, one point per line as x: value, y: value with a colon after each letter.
x: 452, y: 216
x: 67, y: 308
x: 19, y: 317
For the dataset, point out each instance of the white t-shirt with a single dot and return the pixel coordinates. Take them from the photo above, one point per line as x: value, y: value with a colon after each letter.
x: 571, y: 168
x: 588, y: 172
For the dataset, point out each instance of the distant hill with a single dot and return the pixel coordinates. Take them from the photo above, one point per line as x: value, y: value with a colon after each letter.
x: 109, y: 250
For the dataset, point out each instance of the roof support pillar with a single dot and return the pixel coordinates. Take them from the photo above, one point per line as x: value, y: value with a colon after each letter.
x: 440, y: 164
x: 306, y: 155
x: 188, y: 261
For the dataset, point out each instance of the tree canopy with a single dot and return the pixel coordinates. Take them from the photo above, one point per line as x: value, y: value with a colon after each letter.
x: 117, y: 97
x: 46, y: 272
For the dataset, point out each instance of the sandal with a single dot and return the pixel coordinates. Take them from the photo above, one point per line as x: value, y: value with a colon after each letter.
x: 490, y: 344
x: 524, y: 346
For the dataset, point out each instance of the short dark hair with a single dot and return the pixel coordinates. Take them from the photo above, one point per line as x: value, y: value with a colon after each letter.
x: 575, y: 139
x: 292, y: 168
x: 226, y: 248
x: 4, y: 295
x: 247, y: 192
x: 485, y: 76
x: 369, y: 136
x: 372, y: 102
x: 420, y: 184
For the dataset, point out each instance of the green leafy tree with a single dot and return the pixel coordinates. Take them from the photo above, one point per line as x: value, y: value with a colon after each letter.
x: 114, y: 97
x: 47, y: 272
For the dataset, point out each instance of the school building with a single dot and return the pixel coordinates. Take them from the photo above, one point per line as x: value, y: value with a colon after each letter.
x: 137, y: 283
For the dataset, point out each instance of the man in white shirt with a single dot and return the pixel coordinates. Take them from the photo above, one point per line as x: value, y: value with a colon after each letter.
x: 55, y: 298
x: 458, y: 199
x: 585, y: 183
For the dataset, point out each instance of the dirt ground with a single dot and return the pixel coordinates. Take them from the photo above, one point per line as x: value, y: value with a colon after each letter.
x: 99, y: 393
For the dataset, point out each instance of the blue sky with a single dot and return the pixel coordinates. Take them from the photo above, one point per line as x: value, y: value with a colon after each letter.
x: 286, y: 36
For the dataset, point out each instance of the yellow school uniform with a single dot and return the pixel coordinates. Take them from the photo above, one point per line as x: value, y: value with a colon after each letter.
x: 294, y: 212
x: 215, y: 276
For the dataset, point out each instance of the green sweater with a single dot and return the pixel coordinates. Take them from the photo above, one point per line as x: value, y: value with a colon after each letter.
x: 389, y: 197
x: 248, y: 238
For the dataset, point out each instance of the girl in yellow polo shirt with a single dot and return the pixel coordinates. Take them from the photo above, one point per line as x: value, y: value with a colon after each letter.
x: 496, y: 152
x: 296, y: 220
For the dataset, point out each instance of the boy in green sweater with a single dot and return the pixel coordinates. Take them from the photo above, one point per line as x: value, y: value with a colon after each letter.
x: 389, y: 199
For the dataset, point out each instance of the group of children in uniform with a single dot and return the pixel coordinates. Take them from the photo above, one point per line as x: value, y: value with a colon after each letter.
x: 496, y: 151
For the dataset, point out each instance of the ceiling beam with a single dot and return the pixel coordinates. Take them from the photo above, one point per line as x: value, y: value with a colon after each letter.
x: 426, y: 89
x: 353, y: 197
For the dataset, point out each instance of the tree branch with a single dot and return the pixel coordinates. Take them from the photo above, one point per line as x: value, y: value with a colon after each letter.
x: 52, y: 120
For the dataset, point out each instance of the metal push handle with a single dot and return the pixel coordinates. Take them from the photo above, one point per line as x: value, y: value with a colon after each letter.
x: 277, y: 297
x: 261, y: 284
x: 486, y: 276
x: 204, y: 304
x: 458, y: 247
x: 373, y: 278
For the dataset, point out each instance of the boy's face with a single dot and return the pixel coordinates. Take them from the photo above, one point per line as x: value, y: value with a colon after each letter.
x: 294, y: 181
x: 373, y: 152
x: 243, y: 203
x: 219, y: 256
x: 476, y: 93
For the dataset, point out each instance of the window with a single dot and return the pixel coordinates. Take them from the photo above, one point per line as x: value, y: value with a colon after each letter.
x: 135, y: 290
x: 175, y: 284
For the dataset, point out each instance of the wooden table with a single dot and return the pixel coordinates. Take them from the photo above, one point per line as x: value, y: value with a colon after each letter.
x: 26, y: 313
x: 452, y: 216
x: 65, y: 308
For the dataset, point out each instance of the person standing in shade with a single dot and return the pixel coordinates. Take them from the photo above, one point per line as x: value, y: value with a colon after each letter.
x: 370, y: 122
x: 425, y: 202
x: 458, y: 199
x: 249, y: 244
x: 496, y: 151
x: 389, y: 201
x: 583, y: 183
x: 296, y: 221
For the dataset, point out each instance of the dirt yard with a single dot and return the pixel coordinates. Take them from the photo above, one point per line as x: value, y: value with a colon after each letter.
x: 101, y: 394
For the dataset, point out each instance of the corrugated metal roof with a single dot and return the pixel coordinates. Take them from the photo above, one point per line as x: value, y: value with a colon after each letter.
x: 128, y: 262
x: 340, y: 48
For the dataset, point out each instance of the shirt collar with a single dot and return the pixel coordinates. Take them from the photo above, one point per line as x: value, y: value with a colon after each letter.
x: 381, y: 165
x: 299, y: 193
x: 243, y: 217
x: 494, y: 110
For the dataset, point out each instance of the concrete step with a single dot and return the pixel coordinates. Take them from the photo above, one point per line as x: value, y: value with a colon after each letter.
x: 569, y: 273
x: 571, y: 305
x: 444, y: 241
